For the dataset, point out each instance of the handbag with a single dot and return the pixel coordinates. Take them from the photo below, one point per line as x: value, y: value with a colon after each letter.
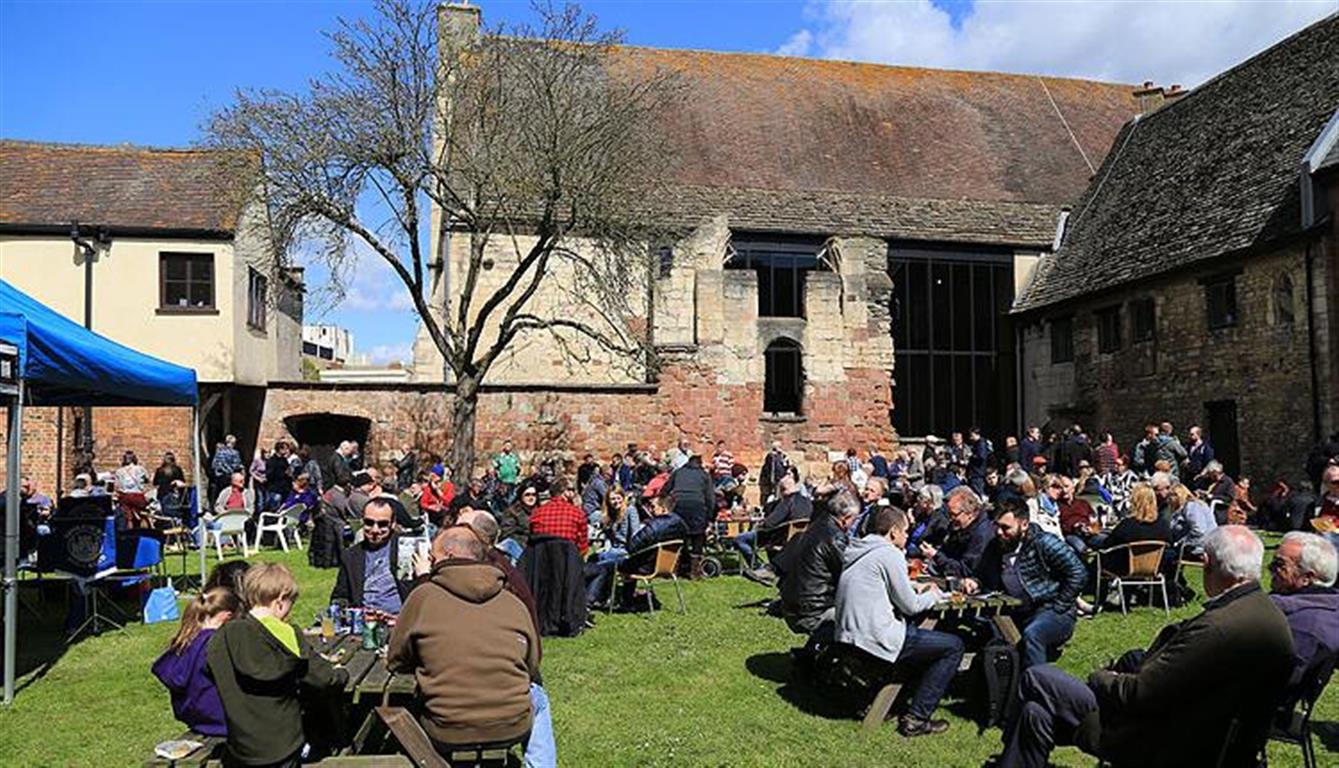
x: 161, y: 605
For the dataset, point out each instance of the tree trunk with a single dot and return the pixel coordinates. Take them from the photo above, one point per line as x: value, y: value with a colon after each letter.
x: 464, y: 409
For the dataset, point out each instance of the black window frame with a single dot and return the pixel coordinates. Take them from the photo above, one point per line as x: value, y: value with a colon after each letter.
x: 193, y: 261
x: 1062, y: 343
x: 1143, y: 320
x: 1275, y: 295
x: 1221, y: 309
x: 782, y: 266
x: 1110, y: 335
x: 257, y: 299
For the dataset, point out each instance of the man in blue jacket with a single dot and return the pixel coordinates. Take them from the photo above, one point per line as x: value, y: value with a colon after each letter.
x: 1038, y: 568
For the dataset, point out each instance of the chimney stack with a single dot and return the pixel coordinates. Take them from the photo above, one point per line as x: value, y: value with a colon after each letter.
x: 1152, y: 97
x: 458, y: 24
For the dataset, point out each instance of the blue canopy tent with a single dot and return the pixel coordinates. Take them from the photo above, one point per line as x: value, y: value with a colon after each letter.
x: 59, y: 362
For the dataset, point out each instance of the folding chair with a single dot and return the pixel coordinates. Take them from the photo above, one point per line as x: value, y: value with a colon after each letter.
x: 1144, y: 569
x: 281, y: 523
x: 666, y: 563
x: 1183, y: 562
x: 1296, y: 729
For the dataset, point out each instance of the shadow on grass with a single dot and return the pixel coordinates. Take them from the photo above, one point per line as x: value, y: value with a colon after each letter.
x: 1327, y: 734
x: 800, y: 691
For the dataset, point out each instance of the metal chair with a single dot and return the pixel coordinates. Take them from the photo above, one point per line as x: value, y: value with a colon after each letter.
x: 232, y: 525
x: 666, y: 564
x: 1183, y: 562
x: 1296, y: 729
x: 1143, y: 561
x: 281, y: 523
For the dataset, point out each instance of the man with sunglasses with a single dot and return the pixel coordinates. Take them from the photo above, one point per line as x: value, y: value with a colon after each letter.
x: 1303, y: 570
x: 368, y: 569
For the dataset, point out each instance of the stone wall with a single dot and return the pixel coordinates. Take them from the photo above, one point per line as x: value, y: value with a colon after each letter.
x: 1261, y: 362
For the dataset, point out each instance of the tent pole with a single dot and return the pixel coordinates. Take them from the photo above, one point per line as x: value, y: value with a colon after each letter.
x: 200, y: 500
x: 12, y: 464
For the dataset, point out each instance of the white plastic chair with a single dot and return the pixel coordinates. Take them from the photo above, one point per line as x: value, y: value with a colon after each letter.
x: 232, y: 525
x: 281, y: 523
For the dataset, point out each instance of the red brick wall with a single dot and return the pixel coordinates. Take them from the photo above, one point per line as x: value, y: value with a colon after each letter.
x: 689, y: 402
x: 146, y: 431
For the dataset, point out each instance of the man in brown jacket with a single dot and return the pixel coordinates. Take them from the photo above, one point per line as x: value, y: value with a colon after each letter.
x: 471, y: 646
x: 1175, y: 704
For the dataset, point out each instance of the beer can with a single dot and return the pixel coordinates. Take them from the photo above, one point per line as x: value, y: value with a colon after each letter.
x: 356, y: 624
x: 371, y: 635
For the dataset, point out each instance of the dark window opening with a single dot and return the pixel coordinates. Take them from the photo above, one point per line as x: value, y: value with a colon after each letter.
x: 257, y: 293
x: 1220, y: 301
x: 783, y: 386
x: 953, y: 343
x: 1283, y: 300
x: 781, y: 267
x: 1108, y: 330
x: 1062, y: 340
x: 309, y: 348
x: 664, y: 256
x: 186, y: 281
x: 1143, y: 320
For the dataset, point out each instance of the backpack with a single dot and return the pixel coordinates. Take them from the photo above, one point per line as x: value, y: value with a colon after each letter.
x: 998, y: 670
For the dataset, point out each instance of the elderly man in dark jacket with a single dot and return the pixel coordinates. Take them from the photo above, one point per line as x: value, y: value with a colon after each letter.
x: 1176, y: 704
x: 811, y: 570
x: 1040, y: 569
x: 970, y: 532
x: 1304, y: 569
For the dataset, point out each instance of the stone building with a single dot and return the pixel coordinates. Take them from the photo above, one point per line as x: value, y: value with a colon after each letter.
x: 853, y: 238
x: 1198, y: 276
x: 175, y: 270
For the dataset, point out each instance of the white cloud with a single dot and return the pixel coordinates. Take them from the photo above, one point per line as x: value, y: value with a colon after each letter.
x: 1167, y: 42
x: 370, y: 284
x: 402, y: 352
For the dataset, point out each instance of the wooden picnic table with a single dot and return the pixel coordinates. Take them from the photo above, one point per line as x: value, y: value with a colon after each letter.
x: 370, y: 684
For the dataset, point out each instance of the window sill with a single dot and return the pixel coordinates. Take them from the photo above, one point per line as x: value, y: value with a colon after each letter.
x: 187, y: 311
x: 258, y: 330
x: 782, y: 418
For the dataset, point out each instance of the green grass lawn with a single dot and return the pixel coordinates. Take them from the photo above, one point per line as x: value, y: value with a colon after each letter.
x: 706, y: 689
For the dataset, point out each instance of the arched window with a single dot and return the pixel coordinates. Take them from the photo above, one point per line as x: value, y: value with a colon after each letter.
x: 783, y: 387
x: 1283, y: 300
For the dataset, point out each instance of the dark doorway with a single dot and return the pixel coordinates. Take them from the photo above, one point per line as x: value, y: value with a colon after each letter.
x: 1221, y: 418
x: 323, y: 432
x: 783, y: 386
x: 953, y: 342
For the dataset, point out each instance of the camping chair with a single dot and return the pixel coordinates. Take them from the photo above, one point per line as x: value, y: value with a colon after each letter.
x: 1293, y: 726
x: 232, y: 525
x: 666, y: 563
x: 281, y: 523
x: 1144, y: 569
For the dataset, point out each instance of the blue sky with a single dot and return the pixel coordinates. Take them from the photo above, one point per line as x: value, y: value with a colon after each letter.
x: 150, y: 72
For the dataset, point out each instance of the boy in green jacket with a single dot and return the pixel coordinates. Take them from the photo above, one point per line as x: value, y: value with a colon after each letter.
x: 259, y: 663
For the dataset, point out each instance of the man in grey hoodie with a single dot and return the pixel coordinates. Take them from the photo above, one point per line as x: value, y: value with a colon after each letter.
x: 875, y: 602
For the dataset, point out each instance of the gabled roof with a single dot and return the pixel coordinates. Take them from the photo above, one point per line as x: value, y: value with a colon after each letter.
x: 1213, y: 173
x: 125, y: 187
x: 762, y: 122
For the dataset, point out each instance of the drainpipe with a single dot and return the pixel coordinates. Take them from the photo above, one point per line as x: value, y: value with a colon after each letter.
x: 1020, y: 358
x: 1312, y: 360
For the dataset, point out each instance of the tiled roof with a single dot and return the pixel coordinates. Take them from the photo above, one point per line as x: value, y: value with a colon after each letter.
x: 1213, y: 173
x: 754, y: 121
x: 115, y: 186
x: 1030, y: 225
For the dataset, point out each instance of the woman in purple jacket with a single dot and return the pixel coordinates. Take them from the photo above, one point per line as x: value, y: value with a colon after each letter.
x: 195, y: 700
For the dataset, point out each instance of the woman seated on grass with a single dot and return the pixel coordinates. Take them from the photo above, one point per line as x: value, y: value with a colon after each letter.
x: 195, y: 700
x: 260, y: 662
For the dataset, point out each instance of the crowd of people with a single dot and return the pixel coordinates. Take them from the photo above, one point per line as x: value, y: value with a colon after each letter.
x: 855, y: 558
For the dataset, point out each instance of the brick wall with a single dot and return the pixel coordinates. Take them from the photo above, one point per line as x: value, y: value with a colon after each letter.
x: 1260, y: 363
x: 146, y: 431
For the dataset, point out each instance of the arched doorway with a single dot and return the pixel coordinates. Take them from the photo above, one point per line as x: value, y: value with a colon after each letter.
x: 323, y: 432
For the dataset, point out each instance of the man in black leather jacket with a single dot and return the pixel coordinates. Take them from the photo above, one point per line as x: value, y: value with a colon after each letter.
x: 809, y: 580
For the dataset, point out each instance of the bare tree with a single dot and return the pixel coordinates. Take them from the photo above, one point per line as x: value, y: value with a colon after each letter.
x: 540, y: 142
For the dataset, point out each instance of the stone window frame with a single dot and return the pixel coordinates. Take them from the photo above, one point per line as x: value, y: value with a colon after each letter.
x: 1143, y: 320
x: 257, y: 299
x: 765, y: 253
x: 1061, y: 333
x: 790, y: 347
x: 1110, y: 329
x: 1221, y: 308
x: 1277, y: 304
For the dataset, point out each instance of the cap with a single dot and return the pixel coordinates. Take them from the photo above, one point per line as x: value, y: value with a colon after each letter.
x: 1038, y: 460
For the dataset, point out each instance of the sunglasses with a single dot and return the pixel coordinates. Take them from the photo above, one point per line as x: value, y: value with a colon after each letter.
x: 371, y: 523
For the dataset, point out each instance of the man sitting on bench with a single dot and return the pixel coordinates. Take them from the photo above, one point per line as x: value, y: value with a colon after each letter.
x: 471, y: 646
x: 875, y: 602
